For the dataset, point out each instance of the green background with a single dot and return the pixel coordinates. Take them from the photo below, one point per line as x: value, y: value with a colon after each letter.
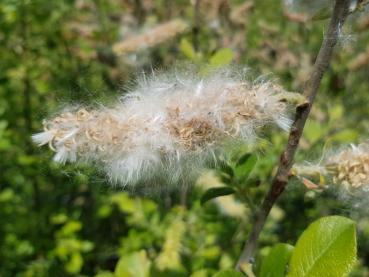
x: 68, y: 221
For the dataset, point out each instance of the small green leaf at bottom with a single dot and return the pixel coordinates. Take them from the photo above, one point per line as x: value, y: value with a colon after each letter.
x: 274, y: 264
x: 326, y: 248
x: 228, y: 273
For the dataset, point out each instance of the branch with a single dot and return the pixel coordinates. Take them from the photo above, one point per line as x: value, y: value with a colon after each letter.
x: 340, y: 13
x: 27, y: 109
x: 196, y: 25
x: 27, y: 92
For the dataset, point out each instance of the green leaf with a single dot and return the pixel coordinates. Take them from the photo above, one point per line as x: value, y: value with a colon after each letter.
x: 200, y: 273
x: 124, y: 202
x: 135, y: 265
x: 188, y: 50
x: 225, y: 179
x: 6, y: 195
x: 222, y: 57
x: 71, y: 227
x: 104, y: 274
x: 274, y: 264
x: 245, y: 165
x: 75, y: 263
x: 226, y: 168
x: 326, y: 248
x: 216, y: 192
x: 345, y: 136
x: 323, y: 13
x: 314, y: 131
x: 335, y: 112
x: 228, y: 273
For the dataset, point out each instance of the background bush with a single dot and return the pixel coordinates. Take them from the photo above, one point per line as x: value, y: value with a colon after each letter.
x: 67, y: 221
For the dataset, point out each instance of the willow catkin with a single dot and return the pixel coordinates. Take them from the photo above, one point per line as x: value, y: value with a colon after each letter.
x: 347, y: 168
x: 350, y: 167
x: 166, y: 128
x: 150, y: 37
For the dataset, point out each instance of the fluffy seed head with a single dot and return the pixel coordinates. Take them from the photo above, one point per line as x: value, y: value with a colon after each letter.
x: 350, y: 167
x: 347, y: 168
x: 167, y: 128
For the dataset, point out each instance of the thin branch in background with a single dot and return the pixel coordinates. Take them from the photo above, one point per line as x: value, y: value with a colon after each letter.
x: 168, y: 8
x: 75, y: 90
x: 27, y: 109
x: 99, y: 6
x: 139, y: 11
x: 340, y: 13
x: 27, y: 91
x: 196, y: 25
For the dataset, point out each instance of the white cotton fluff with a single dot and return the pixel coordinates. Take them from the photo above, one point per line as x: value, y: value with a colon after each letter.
x: 347, y: 168
x: 166, y: 129
x: 350, y: 167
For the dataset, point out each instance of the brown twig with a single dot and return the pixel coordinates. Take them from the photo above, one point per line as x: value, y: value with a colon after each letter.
x: 340, y: 12
x: 139, y: 11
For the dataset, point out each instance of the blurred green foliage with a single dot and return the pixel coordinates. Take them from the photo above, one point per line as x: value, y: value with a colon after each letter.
x: 67, y: 220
